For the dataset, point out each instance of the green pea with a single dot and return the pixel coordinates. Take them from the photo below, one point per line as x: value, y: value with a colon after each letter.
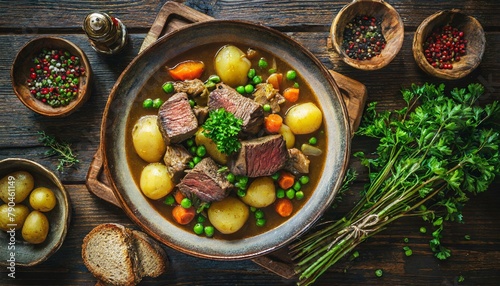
x: 191, y: 164
x: 201, y: 151
x: 266, y: 107
x: 275, y: 176
x: 251, y: 73
x: 379, y: 272
x: 297, y: 186
x: 241, y: 193
x: 147, y: 103
x: 192, y: 103
x: 260, y: 222
x: 168, y: 87
x: 186, y: 203
x: 262, y: 63
x: 231, y: 178
x: 259, y: 214
x: 196, y: 160
x: 304, y: 179
x: 209, y: 231
x: 210, y: 84
x: 313, y: 141
x: 299, y: 195
x: 190, y: 142
x: 243, y: 180
x: 192, y: 150
x: 280, y: 193
x: 169, y: 200
x: 290, y: 193
x: 291, y: 75
x: 198, y: 228
x: 201, y: 219
x: 296, y: 85
x: 157, y: 103
x: 257, y: 79
x: 271, y: 71
x: 240, y: 89
x: 253, y: 209
x: 214, y: 78
x: 249, y: 88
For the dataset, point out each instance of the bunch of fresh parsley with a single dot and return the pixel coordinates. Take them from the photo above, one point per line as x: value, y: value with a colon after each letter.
x: 223, y: 128
x: 431, y: 156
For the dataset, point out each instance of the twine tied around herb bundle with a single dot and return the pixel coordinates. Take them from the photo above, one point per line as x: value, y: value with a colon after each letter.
x: 358, y: 229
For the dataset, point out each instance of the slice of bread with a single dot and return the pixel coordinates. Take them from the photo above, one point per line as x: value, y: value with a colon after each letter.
x: 107, y: 252
x: 152, y: 257
x: 116, y: 255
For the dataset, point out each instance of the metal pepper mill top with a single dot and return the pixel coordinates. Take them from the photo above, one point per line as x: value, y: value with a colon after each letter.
x: 106, y: 34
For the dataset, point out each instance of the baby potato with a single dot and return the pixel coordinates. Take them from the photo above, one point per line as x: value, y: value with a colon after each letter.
x: 155, y: 181
x: 16, y: 216
x: 210, y: 146
x: 17, y: 185
x: 232, y: 65
x: 147, y: 139
x: 35, y: 228
x: 43, y: 199
x: 304, y: 118
x: 228, y: 215
x: 260, y: 193
x: 288, y: 136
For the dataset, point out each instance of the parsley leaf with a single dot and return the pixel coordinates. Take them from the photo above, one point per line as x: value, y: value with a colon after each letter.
x: 223, y: 128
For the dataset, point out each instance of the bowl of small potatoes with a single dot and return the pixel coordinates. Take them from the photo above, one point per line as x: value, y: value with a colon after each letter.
x: 34, y: 212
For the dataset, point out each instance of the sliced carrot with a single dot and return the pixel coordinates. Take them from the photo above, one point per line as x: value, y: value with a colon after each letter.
x: 291, y: 94
x: 178, y: 196
x: 275, y: 79
x: 187, y: 70
x: 273, y: 123
x: 286, y: 180
x: 183, y: 216
x: 283, y: 207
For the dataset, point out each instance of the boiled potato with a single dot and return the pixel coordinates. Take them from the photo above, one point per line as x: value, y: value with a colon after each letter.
x: 228, y: 215
x: 232, y: 65
x: 211, y: 147
x: 155, y: 181
x: 147, y: 139
x: 13, y: 216
x: 43, y: 199
x: 304, y: 118
x: 35, y: 228
x: 260, y: 193
x: 16, y: 185
x: 288, y: 136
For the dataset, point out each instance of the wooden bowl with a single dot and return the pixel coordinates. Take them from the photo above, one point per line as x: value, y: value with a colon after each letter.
x: 473, y: 33
x: 27, y: 254
x: 392, y: 29
x: 20, y: 73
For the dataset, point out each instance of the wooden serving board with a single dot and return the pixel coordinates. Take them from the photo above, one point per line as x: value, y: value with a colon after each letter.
x: 171, y: 17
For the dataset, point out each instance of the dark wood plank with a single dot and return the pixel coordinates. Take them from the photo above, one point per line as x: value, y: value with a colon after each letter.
x: 285, y: 15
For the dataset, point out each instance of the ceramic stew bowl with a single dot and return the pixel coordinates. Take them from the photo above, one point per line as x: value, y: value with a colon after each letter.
x: 149, y: 62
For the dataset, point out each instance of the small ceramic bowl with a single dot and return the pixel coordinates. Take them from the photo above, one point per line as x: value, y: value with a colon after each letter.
x: 391, y: 25
x: 473, y: 33
x: 26, y: 254
x: 20, y: 73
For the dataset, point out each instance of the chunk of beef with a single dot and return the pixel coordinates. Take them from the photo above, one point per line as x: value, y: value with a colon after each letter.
x: 223, y: 96
x: 194, y: 87
x: 298, y: 163
x: 262, y: 156
x: 265, y: 93
x: 176, y: 119
x: 176, y: 159
x: 205, y: 182
x: 201, y: 113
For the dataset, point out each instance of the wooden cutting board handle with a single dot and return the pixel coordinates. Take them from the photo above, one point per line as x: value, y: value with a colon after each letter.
x: 171, y: 17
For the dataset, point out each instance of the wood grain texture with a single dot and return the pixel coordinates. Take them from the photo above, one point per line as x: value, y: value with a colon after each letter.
x: 477, y: 259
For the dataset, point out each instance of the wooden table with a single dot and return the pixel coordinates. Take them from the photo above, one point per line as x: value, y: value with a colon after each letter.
x: 477, y: 259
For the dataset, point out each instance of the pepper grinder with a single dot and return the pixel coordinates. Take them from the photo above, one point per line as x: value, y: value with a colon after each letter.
x: 106, y: 34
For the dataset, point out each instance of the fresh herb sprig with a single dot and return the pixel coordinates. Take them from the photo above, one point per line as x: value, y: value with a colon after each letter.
x: 223, y: 128
x: 67, y: 158
x: 431, y: 156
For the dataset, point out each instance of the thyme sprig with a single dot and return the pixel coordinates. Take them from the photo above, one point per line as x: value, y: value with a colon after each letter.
x: 67, y: 158
x: 432, y: 155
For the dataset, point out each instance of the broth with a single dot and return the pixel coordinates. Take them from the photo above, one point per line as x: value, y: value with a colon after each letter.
x: 153, y: 89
